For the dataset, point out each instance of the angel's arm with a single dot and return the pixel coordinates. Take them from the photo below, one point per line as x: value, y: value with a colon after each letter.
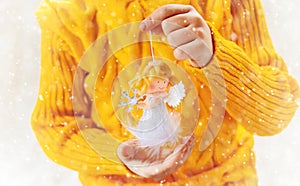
x: 141, y: 104
x: 144, y: 104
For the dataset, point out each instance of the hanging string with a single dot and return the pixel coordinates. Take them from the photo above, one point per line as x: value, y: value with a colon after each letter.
x: 151, y: 46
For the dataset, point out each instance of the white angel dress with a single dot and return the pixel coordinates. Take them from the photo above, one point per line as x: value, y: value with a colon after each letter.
x: 156, y: 127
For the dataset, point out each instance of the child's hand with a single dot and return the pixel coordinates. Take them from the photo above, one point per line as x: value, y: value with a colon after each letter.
x: 186, y: 31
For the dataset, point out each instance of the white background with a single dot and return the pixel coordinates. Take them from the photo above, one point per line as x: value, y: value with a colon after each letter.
x: 22, y: 161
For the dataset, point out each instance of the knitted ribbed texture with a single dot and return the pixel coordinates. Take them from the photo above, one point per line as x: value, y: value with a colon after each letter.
x: 260, y: 94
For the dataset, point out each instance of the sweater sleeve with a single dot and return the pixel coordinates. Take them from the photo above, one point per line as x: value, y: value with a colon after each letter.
x: 53, y: 119
x: 260, y: 93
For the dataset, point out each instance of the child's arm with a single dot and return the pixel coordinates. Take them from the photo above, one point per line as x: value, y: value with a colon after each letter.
x: 64, y: 38
x: 261, y: 94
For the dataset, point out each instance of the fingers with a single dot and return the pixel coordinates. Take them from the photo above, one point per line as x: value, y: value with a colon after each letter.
x: 163, y: 13
x: 189, y: 50
x: 157, y: 30
x: 180, y: 37
x: 186, y: 31
x: 196, y: 50
x: 174, y: 23
x: 168, y: 25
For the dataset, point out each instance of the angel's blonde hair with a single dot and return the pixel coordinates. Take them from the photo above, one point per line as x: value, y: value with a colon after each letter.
x: 150, y: 72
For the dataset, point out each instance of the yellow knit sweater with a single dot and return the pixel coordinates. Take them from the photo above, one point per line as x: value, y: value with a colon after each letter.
x: 260, y: 93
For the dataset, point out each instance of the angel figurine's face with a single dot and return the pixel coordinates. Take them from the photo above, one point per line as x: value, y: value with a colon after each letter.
x: 158, y: 85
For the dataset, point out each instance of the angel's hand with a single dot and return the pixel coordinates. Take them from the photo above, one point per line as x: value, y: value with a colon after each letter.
x: 141, y: 105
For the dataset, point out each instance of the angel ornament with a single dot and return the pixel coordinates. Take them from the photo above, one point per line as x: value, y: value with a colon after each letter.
x: 158, y: 149
x: 157, y: 125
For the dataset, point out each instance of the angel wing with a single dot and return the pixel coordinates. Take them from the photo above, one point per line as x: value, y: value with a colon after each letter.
x: 176, y: 94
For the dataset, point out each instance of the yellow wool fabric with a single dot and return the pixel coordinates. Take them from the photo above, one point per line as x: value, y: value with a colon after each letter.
x: 261, y: 95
